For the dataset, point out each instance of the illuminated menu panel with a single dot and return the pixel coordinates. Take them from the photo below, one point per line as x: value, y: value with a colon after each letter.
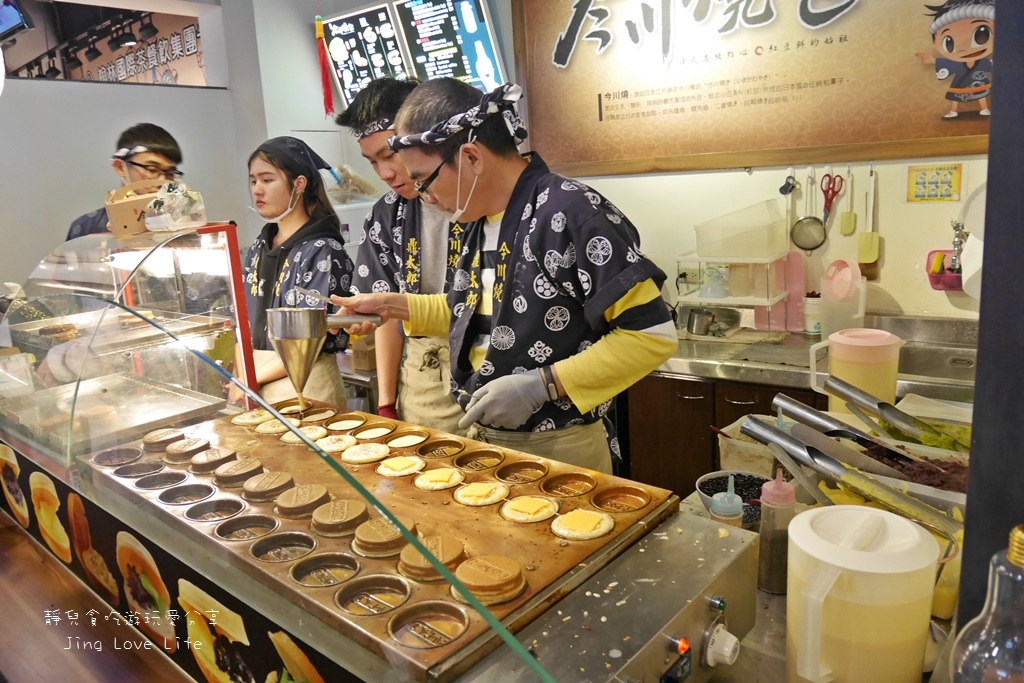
x: 451, y: 38
x: 363, y: 46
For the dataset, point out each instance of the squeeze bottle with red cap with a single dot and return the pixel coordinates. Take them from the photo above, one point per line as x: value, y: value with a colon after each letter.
x: 778, y: 506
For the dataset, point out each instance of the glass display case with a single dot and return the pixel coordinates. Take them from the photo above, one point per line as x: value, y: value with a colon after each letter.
x: 389, y: 550
x: 103, y: 339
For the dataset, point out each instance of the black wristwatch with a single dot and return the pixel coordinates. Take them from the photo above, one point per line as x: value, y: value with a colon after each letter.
x: 548, y: 377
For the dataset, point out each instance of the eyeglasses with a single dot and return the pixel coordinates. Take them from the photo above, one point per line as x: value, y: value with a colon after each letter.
x: 421, y: 186
x: 151, y: 171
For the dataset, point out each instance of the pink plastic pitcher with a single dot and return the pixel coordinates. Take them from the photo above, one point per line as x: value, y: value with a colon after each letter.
x: 868, y: 359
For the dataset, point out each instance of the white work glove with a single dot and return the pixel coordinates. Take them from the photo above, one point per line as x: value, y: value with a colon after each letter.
x: 506, y: 402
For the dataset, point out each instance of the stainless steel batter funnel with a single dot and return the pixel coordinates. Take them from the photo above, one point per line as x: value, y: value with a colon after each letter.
x: 298, y: 335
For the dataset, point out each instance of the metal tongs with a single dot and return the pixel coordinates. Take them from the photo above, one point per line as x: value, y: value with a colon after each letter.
x: 338, y: 320
x: 889, y: 413
x: 828, y: 425
x: 858, y: 482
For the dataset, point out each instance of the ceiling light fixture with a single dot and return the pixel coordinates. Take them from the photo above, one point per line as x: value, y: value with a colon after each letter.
x: 115, y: 42
x: 93, y: 53
x: 147, y: 31
x: 128, y: 38
x: 52, y: 72
x: 71, y: 60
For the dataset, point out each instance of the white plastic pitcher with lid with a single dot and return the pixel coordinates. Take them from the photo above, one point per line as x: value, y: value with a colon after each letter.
x: 868, y: 359
x: 843, y: 297
x: 859, y: 596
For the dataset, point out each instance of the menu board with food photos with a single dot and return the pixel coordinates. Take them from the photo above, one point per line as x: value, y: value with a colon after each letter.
x: 144, y: 593
x: 363, y: 46
x: 451, y: 38
x: 423, y: 38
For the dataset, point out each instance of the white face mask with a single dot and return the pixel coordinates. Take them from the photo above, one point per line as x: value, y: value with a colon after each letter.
x: 458, y: 189
x: 123, y: 175
x: 292, y: 203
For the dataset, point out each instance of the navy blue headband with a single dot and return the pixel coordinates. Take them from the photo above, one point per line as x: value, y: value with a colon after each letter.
x: 296, y: 156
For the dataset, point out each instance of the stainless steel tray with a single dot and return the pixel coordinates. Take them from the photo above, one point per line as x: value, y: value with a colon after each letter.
x: 140, y: 405
x: 117, y: 331
x: 141, y: 334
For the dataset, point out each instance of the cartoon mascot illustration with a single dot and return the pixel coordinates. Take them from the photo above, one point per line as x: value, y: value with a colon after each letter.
x: 962, y: 35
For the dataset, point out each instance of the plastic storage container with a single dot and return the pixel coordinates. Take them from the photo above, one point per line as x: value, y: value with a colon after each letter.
x: 843, y: 297
x: 859, y: 596
x: 991, y: 646
x: 739, y: 281
x: 758, y: 231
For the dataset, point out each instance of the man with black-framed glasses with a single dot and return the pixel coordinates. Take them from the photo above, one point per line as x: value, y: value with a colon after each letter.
x: 144, y: 152
x: 553, y: 309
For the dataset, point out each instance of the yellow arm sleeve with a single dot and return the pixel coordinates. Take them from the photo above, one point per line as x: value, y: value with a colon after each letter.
x: 429, y: 315
x: 620, y: 358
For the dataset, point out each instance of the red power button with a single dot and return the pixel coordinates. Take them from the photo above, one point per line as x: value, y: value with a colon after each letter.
x: 682, y: 646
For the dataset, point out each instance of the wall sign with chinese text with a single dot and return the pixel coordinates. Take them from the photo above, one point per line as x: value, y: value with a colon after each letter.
x: 173, y: 57
x: 634, y: 86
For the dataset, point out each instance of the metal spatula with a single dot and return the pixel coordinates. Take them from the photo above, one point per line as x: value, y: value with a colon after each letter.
x: 877, y: 427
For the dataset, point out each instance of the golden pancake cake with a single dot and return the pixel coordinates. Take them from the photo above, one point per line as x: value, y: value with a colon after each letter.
x: 582, y: 525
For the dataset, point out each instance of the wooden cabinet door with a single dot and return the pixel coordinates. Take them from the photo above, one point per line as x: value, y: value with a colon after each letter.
x: 734, y: 400
x: 670, y: 441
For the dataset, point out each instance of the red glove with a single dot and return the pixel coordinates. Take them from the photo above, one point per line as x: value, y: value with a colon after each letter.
x: 388, y: 410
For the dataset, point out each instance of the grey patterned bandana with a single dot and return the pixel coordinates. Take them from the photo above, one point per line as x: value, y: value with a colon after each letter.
x: 983, y: 9
x: 500, y: 100
x: 383, y: 123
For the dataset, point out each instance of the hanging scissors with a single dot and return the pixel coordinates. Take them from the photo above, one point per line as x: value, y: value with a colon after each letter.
x: 831, y: 186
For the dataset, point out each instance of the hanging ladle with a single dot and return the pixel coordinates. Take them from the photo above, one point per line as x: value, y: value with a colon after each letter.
x: 808, y: 232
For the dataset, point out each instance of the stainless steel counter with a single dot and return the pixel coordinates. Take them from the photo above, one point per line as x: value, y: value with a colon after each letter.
x: 763, y: 655
x: 625, y: 613
x: 786, y: 364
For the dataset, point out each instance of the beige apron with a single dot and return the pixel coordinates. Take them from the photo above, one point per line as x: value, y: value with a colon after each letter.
x: 424, y: 395
x: 578, y: 445
x: 324, y: 384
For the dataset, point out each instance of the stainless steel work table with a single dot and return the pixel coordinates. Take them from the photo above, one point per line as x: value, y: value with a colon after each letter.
x: 785, y: 363
x: 578, y: 638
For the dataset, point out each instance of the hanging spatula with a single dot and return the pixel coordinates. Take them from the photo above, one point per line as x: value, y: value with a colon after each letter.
x: 867, y: 252
x: 848, y: 219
